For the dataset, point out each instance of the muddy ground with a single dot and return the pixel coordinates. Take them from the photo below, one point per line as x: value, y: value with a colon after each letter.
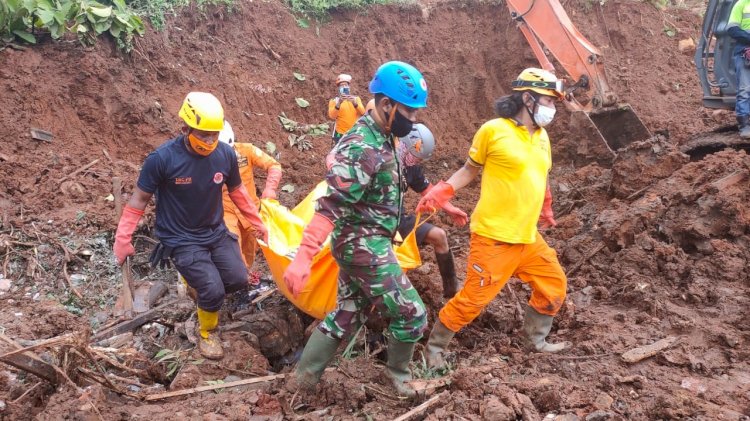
x: 655, y: 244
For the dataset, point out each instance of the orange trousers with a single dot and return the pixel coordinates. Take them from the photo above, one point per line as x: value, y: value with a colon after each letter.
x: 245, y: 236
x: 491, y: 263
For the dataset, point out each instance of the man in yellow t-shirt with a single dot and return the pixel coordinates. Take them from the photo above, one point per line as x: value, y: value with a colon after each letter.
x: 514, y: 153
x: 346, y: 108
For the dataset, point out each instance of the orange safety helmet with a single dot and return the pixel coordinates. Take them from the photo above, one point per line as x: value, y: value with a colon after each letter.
x: 540, y: 81
x: 343, y: 78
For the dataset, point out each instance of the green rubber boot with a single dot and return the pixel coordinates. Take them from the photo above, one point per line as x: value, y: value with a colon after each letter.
x: 397, y: 370
x: 318, y: 353
x: 437, y: 344
x: 537, y: 327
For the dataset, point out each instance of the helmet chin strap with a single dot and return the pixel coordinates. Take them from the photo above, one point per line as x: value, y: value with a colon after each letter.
x: 531, y: 113
x: 389, y: 122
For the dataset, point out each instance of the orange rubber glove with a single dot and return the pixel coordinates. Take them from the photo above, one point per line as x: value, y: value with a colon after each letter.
x: 123, y: 246
x: 460, y: 218
x: 272, y: 183
x: 242, y: 200
x: 313, y: 237
x: 547, y: 218
x: 435, y: 198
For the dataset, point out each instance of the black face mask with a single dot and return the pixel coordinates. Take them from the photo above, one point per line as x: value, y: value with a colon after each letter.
x: 401, y: 126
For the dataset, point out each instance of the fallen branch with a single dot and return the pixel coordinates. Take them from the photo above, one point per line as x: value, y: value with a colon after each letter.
x: 585, y: 259
x: 643, y: 352
x: 53, y: 341
x: 132, y: 324
x: 264, y: 379
x: 422, y: 408
x: 83, y: 168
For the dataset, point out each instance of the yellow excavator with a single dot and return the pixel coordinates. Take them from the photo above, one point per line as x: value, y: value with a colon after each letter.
x: 603, y: 124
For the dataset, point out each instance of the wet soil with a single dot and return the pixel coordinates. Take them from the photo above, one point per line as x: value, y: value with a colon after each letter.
x: 654, y: 245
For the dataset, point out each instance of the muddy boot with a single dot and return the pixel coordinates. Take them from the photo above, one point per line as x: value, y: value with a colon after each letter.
x: 437, y: 344
x: 537, y: 327
x: 191, y: 292
x: 318, y: 353
x: 744, y: 126
x: 447, y: 273
x: 397, y: 369
x: 209, y: 343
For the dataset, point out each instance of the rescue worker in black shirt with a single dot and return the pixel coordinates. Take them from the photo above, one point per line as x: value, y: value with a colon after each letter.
x: 187, y: 174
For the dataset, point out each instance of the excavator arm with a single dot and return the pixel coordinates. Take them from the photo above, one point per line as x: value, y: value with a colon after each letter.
x: 548, y: 28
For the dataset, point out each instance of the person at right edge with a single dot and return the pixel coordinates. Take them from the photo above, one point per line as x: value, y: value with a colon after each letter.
x: 514, y: 155
x: 361, y: 209
x: 739, y: 28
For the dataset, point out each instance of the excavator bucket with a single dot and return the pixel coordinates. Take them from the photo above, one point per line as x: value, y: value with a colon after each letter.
x: 602, y: 132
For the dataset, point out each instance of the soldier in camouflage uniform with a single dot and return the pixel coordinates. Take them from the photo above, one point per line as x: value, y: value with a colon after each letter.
x: 362, y: 209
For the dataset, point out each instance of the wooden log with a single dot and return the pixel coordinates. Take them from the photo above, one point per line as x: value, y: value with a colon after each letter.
x: 156, y: 292
x: 192, y: 390
x: 130, y: 325
x: 643, y: 352
x: 29, y: 362
x: 117, y: 195
x: 419, y: 410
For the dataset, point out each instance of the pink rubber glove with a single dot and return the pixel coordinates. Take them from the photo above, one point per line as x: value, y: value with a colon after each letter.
x: 547, y: 218
x: 247, y: 207
x: 272, y: 183
x: 435, y: 198
x: 313, y: 237
x: 123, y: 246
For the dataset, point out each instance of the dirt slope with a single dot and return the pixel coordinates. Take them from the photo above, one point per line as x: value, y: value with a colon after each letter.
x: 654, y: 246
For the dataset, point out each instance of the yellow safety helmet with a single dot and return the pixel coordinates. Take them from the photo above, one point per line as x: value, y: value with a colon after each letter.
x: 540, y: 81
x: 343, y: 78
x: 202, y: 111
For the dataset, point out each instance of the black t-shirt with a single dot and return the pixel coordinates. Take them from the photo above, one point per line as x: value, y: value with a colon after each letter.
x: 415, y: 178
x: 188, y: 191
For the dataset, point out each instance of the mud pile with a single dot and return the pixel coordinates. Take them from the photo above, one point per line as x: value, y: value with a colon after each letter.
x: 654, y: 245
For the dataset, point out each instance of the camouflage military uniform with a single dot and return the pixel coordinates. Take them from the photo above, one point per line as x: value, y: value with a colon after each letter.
x: 365, y: 190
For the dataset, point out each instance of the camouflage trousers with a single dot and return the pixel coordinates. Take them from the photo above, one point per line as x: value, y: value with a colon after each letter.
x: 385, y: 287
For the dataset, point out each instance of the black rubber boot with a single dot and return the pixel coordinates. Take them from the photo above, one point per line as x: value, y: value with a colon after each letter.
x: 744, y: 127
x: 448, y: 273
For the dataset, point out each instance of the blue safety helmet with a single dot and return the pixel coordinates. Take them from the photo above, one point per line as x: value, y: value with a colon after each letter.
x: 400, y: 82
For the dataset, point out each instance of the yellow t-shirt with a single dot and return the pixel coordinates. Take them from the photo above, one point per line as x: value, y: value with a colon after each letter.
x: 514, y: 179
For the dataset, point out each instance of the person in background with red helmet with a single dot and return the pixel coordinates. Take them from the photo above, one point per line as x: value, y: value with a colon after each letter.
x: 514, y: 155
x: 187, y: 175
x: 345, y: 109
x: 249, y: 157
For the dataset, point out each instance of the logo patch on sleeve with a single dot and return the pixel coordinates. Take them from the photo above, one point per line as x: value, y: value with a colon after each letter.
x: 218, y: 178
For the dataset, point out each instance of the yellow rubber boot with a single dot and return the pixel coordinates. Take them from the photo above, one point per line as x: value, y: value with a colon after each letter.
x: 191, y: 292
x: 209, y: 343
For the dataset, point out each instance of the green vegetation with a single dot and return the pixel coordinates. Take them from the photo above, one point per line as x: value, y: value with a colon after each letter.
x: 319, y: 9
x: 157, y: 10
x: 25, y: 20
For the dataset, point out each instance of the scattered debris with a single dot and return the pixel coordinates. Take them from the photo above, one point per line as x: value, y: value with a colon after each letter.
x: 42, y: 135
x: 643, y: 352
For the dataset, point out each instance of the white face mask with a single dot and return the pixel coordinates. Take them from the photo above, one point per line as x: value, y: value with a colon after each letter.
x: 544, y: 115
